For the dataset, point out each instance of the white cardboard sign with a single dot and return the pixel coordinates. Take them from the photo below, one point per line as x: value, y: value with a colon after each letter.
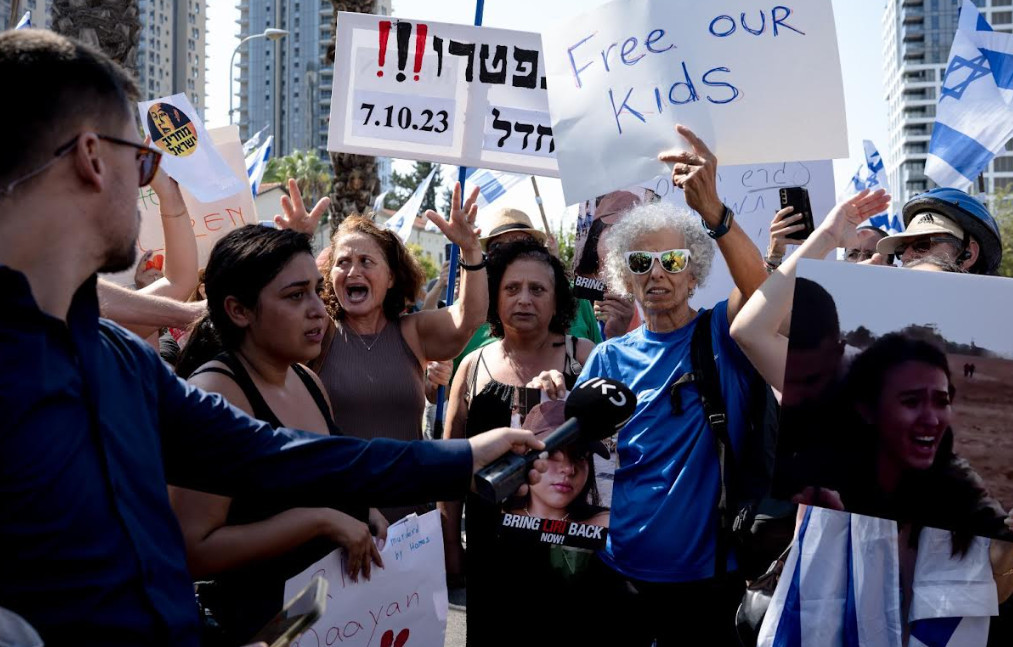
x: 403, y: 603
x: 189, y: 155
x: 458, y: 94
x: 757, y: 81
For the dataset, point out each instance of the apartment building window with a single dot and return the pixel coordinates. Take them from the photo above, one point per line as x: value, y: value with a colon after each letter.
x: 1002, y: 17
x: 1002, y: 3
x: 1003, y: 164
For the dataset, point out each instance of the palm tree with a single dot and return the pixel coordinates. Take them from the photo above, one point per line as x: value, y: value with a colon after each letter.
x: 113, y: 26
x: 309, y: 171
x: 356, y: 181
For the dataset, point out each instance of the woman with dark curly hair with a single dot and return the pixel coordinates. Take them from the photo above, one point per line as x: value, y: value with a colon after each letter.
x: 530, y: 308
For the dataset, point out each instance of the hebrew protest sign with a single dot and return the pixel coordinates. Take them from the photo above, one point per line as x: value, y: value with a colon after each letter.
x: 210, y: 220
x: 898, y: 390
x: 758, y: 82
x: 459, y: 94
x: 405, y: 602
x: 189, y: 155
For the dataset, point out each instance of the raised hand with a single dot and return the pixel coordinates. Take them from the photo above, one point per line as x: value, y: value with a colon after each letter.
x: 844, y: 219
x: 460, y: 229
x: 295, y: 215
x: 783, y: 224
x: 695, y: 172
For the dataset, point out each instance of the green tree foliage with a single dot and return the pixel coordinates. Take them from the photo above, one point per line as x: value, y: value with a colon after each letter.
x: 1001, y: 206
x: 405, y: 184
x: 565, y: 240
x: 428, y: 266
x: 313, y: 175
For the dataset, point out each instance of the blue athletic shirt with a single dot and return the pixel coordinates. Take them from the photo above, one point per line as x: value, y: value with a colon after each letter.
x: 664, y: 499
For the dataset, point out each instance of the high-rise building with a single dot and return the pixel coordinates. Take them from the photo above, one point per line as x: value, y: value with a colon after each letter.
x: 170, y: 58
x: 285, y: 84
x: 917, y: 35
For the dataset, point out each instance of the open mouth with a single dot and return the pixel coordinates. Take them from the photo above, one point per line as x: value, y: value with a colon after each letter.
x: 356, y: 293
x: 315, y: 335
x: 926, y: 443
x: 657, y: 291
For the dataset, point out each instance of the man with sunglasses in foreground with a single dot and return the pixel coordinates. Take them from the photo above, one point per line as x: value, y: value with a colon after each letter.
x: 666, y: 560
x: 94, y: 424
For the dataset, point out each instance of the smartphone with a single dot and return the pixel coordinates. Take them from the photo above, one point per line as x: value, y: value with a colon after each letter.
x: 298, y: 615
x: 446, y: 251
x: 798, y: 197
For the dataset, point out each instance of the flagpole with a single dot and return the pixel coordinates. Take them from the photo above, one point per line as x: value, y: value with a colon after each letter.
x: 541, y: 207
x: 454, y: 253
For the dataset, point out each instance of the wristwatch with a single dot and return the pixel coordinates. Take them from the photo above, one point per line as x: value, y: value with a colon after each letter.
x: 723, y: 227
x: 477, y: 266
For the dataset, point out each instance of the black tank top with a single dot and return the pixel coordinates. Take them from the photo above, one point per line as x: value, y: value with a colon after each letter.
x: 488, y: 409
x: 243, y: 600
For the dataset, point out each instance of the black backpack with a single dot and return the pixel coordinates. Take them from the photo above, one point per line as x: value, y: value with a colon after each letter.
x: 757, y: 526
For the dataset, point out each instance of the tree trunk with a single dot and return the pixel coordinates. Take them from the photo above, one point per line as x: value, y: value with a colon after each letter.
x: 113, y: 26
x: 356, y: 181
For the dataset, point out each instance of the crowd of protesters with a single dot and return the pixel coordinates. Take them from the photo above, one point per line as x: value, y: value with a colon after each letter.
x: 127, y: 475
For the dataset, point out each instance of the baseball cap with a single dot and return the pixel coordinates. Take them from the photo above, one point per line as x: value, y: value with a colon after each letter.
x: 923, y: 224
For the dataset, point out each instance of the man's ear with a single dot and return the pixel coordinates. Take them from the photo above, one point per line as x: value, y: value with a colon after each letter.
x: 969, y: 256
x: 88, y: 164
x: 239, y: 314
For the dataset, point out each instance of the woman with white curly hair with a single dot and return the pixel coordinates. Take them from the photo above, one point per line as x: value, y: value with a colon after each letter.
x: 662, y: 552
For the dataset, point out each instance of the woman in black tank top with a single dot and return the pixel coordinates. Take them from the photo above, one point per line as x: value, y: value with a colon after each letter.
x: 530, y: 308
x: 265, y: 316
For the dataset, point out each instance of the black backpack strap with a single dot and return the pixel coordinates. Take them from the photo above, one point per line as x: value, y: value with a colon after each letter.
x: 708, y: 384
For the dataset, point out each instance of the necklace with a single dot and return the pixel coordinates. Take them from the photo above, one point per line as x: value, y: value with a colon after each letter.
x: 565, y: 516
x: 369, y: 347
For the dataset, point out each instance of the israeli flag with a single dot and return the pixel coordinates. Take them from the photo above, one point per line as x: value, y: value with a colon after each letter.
x: 250, y: 144
x: 491, y: 184
x: 841, y: 588
x: 974, y: 119
x: 404, y: 219
x: 256, y: 164
x: 25, y: 22
x: 890, y: 223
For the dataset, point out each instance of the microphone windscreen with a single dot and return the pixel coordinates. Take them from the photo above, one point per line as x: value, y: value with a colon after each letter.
x: 601, y: 406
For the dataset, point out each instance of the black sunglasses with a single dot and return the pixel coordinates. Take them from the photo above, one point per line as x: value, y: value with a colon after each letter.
x: 148, y: 159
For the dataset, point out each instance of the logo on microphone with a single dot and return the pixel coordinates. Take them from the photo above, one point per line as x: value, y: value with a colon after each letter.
x: 606, y: 387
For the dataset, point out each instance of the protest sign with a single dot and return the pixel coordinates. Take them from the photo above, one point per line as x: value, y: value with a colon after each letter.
x: 405, y: 602
x: 897, y: 393
x: 210, y: 220
x: 458, y: 94
x: 758, y: 83
x: 189, y: 155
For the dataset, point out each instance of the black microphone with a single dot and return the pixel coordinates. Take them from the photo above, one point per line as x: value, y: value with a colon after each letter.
x: 596, y: 409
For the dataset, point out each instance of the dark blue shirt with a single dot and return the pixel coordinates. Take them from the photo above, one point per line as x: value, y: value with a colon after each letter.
x: 93, y: 426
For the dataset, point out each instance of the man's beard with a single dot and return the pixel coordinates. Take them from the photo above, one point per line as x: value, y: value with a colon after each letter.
x: 124, y: 256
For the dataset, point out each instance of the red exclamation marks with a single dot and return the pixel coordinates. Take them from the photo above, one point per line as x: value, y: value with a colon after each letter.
x: 404, y: 32
x: 420, y: 47
x: 384, y: 34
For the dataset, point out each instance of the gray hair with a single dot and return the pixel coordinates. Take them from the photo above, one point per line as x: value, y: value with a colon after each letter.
x: 651, y: 218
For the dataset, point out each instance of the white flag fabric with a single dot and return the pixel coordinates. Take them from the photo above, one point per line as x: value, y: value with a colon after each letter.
x: 254, y: 141
x: 840, y: 588
x: 256, y: 164
x: 974, y: 119
x: 25, y: 22
x: 378, y: 203
x: 871, y: 175
x: 491, y: 184
x: 402, y: 221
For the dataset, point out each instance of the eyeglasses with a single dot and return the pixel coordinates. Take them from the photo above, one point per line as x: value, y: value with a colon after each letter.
x: 672, y: 261
x: 925, y: 245
x: 857, y: 255
x: 147, y: 158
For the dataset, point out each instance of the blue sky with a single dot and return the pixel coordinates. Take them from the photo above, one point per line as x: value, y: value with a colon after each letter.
x: 859, y: 37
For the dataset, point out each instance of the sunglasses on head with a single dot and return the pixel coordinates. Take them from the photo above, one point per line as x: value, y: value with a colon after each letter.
x: 672, y: 261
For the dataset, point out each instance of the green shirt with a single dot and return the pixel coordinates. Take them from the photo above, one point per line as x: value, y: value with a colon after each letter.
x: 584, y: 326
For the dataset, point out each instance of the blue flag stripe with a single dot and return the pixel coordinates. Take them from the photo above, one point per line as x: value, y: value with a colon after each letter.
x: 963, y: 153
x: 789, y: 629
x: 1001, y: 64
x: 935, y: 632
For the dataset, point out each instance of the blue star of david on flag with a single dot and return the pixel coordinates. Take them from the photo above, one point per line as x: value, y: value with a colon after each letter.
x: 978, y: 68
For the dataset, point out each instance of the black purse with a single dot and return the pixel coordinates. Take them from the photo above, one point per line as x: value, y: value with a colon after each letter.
x: 756, y: 601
